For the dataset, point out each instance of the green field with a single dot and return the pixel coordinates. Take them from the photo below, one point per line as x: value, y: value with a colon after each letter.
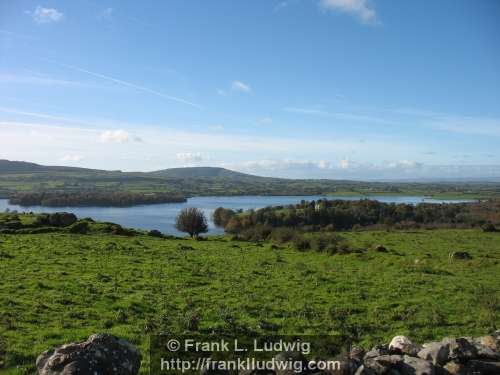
x: 59, y: 287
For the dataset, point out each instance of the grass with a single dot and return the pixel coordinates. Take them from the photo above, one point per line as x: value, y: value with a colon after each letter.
x: 57, y: 288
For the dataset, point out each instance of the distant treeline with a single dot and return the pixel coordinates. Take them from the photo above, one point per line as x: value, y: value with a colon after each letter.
x: 92, y: 198
x: 346, y: 215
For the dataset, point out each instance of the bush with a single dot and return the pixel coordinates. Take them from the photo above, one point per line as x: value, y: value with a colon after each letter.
x: 488, y: 227
x: 282, y: 235
x: 257, y: 233
x: 301, y: 243
x: 80, y: 227
x: 155, y: 233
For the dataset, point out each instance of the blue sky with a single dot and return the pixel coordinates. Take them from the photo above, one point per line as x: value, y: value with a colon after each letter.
x: 300, y: 88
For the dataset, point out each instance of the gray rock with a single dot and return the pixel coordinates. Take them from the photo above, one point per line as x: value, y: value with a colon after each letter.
x: 436, y: 352
x: 377, y: 351
x: 383, y: 363
x: 356, y: 353
x: 484, y: 367
x: 463, y: 255
x: 416, y: 366
x: 460, y: 348
x: 99, y: 354
x: 403, y: 345
x: 362, y: 370
x: 455, y: 368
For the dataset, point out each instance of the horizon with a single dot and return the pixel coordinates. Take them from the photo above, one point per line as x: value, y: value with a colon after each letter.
x: 395, y: 180
x: 330, y: 89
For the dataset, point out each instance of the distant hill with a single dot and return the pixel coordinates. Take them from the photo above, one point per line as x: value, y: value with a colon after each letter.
x: 203, y: 172
x: 20, y: 176
x: 8, y: 166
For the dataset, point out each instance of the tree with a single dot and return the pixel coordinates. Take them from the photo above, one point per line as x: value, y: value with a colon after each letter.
x: 221, y: 216
x: 192, y: 221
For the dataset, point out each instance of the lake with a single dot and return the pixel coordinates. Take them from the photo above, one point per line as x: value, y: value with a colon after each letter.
x: 162, y: 216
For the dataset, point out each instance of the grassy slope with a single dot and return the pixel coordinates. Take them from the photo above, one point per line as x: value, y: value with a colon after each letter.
x: 58, y: 288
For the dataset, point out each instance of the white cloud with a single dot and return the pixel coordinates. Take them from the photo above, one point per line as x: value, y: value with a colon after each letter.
x: 46, y: 15
x: 344, y: 164
x: 240, y: 86
x: 266, y: 120
x: 189, y: 157
x: 72, y: 157
x: 216, y: 127
x: 361, y: 9
x: 118, y: 136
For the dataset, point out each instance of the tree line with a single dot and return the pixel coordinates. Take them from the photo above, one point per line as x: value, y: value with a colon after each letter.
x: 92, y: 198
x: 347, y: 215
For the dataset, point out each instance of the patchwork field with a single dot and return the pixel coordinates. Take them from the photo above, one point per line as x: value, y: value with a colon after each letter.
x: 60, y: 287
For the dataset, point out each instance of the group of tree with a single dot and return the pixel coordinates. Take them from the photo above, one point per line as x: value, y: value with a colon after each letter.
x: 346, y: 215
x: 92, y: 198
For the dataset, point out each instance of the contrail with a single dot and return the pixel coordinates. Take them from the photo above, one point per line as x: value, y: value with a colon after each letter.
x: 125, y: 83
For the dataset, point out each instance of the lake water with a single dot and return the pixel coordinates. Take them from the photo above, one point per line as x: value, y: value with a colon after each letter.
x: 162, y: 216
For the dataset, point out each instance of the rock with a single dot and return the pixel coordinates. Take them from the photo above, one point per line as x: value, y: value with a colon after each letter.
x: 490, y: 341
x: 403, y: 345
x: 436, y: 352
x: 99, y: 354
x: 356, y: 353
x: 454, y: 368
x: 462, y: 255
x: 383, y: 363
x: 362, y: 370
x: 460, y: 349
x: 416, y: 366
x: 377, y: 351
x: 484, y: 367
x: 380, y: 249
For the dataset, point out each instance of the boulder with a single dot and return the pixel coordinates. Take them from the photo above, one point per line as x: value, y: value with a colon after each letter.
x: 403, y: 345
x: 455, y: 368
x: 383, y: 363
x: 356, y: 353
x: 362, y: 370
x: 460, y: 348
x: 436, y: 352
x: 377, y: 351
x: 484, y: 367
x: 416, y: 366
x: 380, y: 249
x: 99, y: 354
x: 462, y: 255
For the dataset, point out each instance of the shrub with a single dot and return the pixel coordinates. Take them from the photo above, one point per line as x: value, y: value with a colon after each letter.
x: 81, y: 227
x: 488, y: 227
x: 301, y: 243
x: 282, y: 235
x: 155, y: 233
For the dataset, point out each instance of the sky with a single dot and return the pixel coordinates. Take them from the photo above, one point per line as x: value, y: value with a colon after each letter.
x: 342, y: 89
